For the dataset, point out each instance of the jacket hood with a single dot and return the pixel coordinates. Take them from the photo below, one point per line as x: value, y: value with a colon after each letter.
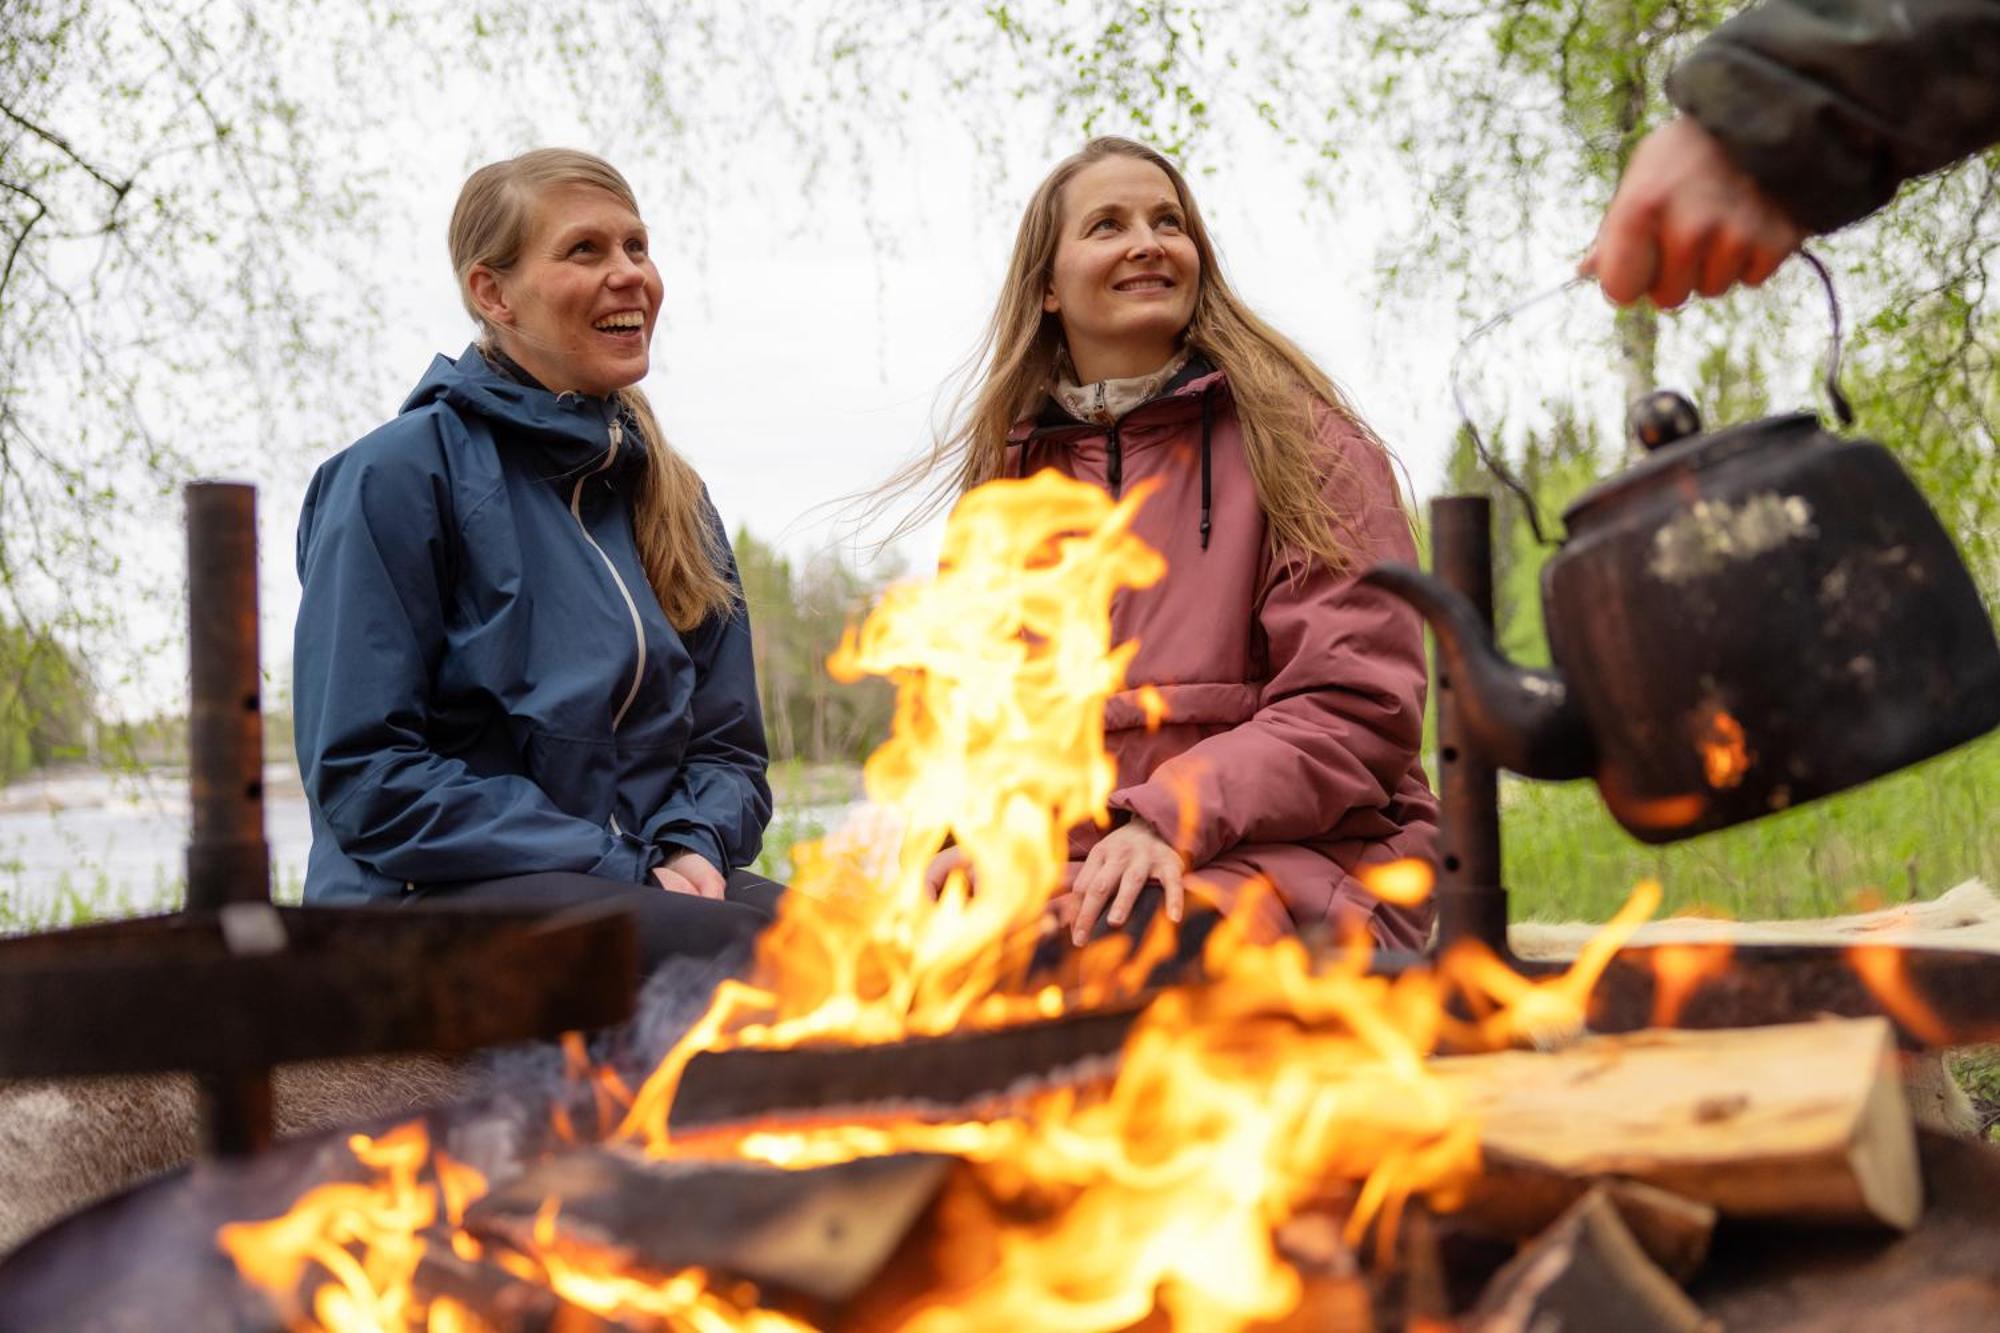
x: 570, y: 431
x: 1196, y: 380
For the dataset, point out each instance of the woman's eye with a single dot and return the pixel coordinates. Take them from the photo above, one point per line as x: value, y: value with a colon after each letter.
x: 637, y: 249
x: 1101, y: 224
x: 582, y: 248
x: 1172, y: 220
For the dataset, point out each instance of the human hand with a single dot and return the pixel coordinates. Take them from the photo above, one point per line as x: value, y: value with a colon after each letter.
x: 1118, y: 867
x: 1686, y: 218
x: 941, y: 866
x: 690, y: 872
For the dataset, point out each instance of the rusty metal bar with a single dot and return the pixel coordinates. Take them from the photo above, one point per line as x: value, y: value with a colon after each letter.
x: 227, y: 859
x: 1471, y: 901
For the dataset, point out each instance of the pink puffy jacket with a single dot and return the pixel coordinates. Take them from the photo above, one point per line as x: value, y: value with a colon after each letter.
x: 1294, y: 698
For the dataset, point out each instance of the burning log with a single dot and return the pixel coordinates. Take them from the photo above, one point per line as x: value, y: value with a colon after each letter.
x: 1806, y: 1121
x: 948, y: 1073
x: 1585, y: 1272
x: 821, y: 1233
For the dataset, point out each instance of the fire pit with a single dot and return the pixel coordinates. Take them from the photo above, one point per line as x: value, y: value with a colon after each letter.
x: 888, y: 1124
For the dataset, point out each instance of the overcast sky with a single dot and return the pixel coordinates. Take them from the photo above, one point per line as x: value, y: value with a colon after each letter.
x: 807, y: 332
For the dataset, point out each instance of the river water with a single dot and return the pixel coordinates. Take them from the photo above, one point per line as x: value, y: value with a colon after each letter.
x: 84, y: 845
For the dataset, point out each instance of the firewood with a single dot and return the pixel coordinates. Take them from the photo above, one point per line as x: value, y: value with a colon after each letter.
x: 1585, y: 1272
x: 821, y: 1232
x: 1806, y: 1121
x: 1517, y: 1200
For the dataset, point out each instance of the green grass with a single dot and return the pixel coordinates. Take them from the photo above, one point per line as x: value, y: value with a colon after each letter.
x: 1912, y: 834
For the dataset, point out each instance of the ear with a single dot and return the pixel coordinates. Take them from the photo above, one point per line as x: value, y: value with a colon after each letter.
x: 490, y: 296
x: 1050, y: 305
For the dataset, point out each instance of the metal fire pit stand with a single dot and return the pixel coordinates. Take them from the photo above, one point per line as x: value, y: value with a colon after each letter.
x: 228, y: 861
x: 233, y: 985
x: 1471, y: 900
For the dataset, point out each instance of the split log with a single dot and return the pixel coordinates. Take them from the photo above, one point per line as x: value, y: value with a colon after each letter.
x: 1584, y: 1272
x: 1806, y: 1121
x: 1517, y: 1200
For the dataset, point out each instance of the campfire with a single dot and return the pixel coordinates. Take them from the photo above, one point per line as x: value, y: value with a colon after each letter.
x: 904, y: 1116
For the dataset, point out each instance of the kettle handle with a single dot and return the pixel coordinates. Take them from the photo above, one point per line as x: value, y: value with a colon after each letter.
x: 1836, y: 398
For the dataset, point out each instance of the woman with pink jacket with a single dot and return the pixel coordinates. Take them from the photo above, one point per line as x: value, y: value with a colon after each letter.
x: 1294, y: 696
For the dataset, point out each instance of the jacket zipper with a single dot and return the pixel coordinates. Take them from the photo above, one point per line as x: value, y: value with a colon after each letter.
x: 631, y: 607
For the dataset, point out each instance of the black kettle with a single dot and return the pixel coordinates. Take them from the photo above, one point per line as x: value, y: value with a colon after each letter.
x: 1746, y: 619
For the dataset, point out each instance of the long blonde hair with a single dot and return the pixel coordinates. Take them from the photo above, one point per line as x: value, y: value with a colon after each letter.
x: 684, y: 557
x: 1280, y: 394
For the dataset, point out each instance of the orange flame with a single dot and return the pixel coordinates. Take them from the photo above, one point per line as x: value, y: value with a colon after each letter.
x: 1511, y: 1008
x: 1885, y: 970
x: 1679, y: 970
x: 1234, y: 1106
x: 1405, y: 883
x: 1724, y: 756
x: 383, y: 1219
x: 1154, y: 705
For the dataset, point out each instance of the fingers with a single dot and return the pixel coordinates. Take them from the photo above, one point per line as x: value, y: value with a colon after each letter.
x: 1626, y: 255
x: 1721, y: 267
x: 693, y: 868
x: 1094, y: 884
x: 1169, y: 876
x: 1134, y: 878
x: 674, y: 882
x: 940, y: 868
x: 1774, y: 246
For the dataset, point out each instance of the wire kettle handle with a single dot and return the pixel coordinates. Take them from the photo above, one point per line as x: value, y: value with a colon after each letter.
x: 1836, y: 398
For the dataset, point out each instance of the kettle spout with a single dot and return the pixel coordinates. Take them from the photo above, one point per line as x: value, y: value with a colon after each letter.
x: 1522, y: 719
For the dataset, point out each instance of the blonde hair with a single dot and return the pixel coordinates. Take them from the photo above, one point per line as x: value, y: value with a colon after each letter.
x: 1280, y: 394
x: 684, y: 557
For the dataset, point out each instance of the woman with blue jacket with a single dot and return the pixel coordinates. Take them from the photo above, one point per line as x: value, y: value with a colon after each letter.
x: 523, y: 666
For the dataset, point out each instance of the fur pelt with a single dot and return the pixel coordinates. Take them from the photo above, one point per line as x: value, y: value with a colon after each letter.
x: 65, y: 1143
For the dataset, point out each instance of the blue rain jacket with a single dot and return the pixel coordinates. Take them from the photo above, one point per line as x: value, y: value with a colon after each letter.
x: 484, y: 683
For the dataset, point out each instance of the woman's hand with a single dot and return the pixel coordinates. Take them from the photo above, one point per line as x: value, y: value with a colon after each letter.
x: 1686, y: 218
x: 941, y: 866
x: 690, y: 872
x: 1117, y: 868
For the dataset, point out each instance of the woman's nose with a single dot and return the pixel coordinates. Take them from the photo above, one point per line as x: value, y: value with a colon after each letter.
x: 1145, y: 242
x: 626, y: 272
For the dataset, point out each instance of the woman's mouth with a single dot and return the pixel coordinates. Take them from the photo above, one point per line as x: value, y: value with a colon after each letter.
x: 624, y: 324
x: 1145, y: 282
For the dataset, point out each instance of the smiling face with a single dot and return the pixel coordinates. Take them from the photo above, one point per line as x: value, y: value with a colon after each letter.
x: 1126, y: 271
x: 577, y: 308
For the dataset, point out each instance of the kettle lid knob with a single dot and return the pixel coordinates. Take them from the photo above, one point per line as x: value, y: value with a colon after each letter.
x: 1660, y: 418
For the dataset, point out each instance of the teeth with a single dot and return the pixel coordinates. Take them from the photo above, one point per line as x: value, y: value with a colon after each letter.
x: 630, y: 319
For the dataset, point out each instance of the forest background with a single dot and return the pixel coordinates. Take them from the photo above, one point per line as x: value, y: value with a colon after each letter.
x: 200, y: 203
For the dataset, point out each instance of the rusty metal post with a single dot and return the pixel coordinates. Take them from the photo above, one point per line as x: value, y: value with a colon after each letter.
x: 1471, y: 900
x: 228, y: 861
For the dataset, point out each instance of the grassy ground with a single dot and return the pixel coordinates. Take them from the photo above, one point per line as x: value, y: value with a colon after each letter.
x: 1910, y: 835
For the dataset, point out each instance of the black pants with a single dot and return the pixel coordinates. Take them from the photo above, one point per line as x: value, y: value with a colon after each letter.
x: 671, y: 925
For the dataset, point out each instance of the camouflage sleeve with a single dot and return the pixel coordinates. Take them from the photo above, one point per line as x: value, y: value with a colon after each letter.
x: 1832, y: 104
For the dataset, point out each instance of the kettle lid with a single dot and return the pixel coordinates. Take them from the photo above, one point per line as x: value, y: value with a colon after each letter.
x: 1674, y: 454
